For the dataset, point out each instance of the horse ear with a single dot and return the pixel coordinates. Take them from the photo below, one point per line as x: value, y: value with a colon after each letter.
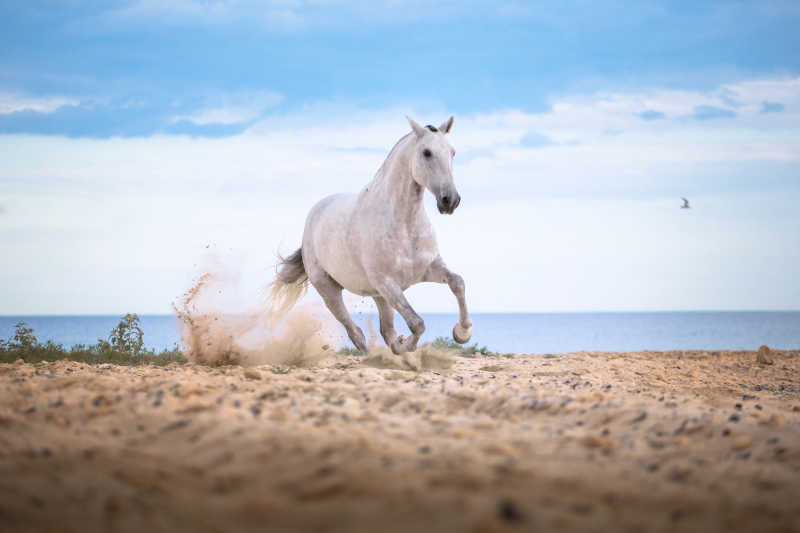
x: 418, y: 130
x: 446, y: 125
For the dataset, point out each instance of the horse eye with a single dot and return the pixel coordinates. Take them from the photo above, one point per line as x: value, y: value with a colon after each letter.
x: 426, y: 152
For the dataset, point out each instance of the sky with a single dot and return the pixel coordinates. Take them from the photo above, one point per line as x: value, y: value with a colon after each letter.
x: 140, y: 137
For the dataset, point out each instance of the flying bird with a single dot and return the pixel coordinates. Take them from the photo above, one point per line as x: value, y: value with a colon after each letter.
x: 685, y: 203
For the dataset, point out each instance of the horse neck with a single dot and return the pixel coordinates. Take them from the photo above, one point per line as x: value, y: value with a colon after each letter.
x: 394, y: 187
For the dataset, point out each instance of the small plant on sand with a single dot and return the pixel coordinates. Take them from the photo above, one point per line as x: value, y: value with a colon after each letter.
x: 280, y: 369
x: 23, y: 340
x: 416, y: 406
x: 443, y: 343
x: 128, y: 336
x: 329, y: 398
x: 440, y: 343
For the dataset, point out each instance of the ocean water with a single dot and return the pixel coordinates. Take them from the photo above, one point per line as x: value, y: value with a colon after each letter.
x: 518, y: 332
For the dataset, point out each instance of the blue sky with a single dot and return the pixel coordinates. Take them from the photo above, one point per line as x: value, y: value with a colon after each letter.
x: 128, y: 68
x: 132, y: 133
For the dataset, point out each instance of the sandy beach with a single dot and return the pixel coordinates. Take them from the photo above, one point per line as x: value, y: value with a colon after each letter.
x: 647, y: 441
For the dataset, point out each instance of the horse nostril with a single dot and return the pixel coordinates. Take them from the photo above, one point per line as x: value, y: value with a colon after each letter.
x: 445, y: 200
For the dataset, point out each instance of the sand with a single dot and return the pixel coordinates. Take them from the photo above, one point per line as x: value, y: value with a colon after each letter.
x: 646, y: 441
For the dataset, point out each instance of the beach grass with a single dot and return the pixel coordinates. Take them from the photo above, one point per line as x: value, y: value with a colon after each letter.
x: 443, y: 343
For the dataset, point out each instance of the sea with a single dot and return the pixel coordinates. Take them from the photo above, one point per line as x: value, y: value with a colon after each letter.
x: 537, y: 333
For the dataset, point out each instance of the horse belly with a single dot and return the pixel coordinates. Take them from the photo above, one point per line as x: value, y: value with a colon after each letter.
x: 341, y: 267
x: 328, y: 237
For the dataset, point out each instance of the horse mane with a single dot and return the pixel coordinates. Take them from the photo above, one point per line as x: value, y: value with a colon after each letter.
x: 391, y: 154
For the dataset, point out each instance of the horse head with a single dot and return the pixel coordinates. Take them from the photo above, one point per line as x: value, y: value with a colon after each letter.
x: 432, y: 164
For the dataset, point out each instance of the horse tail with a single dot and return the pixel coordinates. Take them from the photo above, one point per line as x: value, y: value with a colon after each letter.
x: 291, y: 282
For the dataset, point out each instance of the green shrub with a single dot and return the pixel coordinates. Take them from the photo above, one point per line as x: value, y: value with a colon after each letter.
x: 23, y: 339
x: 127, y: 337
x: 124, y: 347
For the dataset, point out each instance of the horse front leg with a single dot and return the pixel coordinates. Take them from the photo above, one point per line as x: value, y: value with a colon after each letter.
x: 386, y: 316
x: 439, y: 273
x: 394, y: 297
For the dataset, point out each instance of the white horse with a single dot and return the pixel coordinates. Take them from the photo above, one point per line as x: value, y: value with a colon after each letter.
x: 380, y: 242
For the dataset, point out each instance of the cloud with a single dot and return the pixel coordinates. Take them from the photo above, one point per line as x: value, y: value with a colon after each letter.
x: 233, y: 108
x: 771, y: 107
x: 535, y: 140
x: 729, y: 97
x: 15, y: 103
x: 251, y: 191
x: 651, y: 115
x: 185, y: 127
x: 220, y: 115
x: 708, y: 112
x: 85, y: 120
x: 217, y: 115
x: 593, y: 142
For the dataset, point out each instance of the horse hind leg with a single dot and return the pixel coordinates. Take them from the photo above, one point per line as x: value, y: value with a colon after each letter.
x: 331, y: 293
x: 394, y: 297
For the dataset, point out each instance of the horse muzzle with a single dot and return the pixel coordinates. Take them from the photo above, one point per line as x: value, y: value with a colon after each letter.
x: 448, y: 202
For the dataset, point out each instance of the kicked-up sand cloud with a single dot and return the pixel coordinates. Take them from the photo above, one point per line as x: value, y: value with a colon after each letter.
x: 218, y: 326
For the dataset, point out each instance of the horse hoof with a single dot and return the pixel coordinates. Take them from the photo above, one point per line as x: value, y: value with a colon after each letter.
x: 397, y: 346
x: 461, y: 335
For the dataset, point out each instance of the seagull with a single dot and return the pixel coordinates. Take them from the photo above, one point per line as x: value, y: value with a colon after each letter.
x: 685, y: 203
